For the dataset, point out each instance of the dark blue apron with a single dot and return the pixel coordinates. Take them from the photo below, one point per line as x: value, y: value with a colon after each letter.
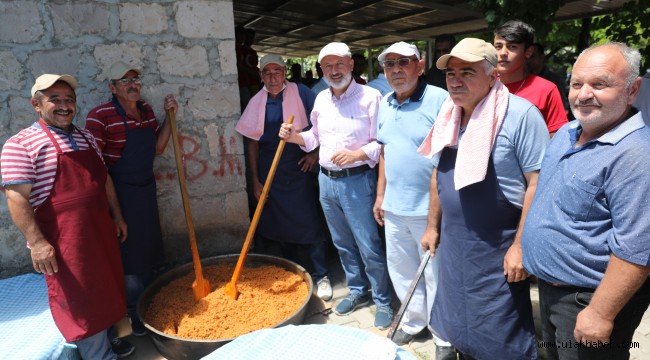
x: 476, y: 309
x: 290, y: 213
x: 135, y: 185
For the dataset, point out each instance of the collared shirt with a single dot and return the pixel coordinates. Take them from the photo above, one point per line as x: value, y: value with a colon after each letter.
x: 518, y: 149
x: 401, y: 129
x: 106, y: 125
x: 591, y: 201
x: 381, y: 84
x: 29, y: 157
x: 543, y: 94
x: 346, y: 123
x: 320, y: 86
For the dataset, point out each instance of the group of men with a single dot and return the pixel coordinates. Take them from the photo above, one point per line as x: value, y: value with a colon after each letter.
x: 467, y: 174
x: 473, y: 177
x: 85, y: 201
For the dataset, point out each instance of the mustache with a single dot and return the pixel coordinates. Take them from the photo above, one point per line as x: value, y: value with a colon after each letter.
x: 588, y: 102
x: 132, y: 90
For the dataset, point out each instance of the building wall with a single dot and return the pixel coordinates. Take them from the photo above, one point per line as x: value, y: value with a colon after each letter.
x: 183, y: 47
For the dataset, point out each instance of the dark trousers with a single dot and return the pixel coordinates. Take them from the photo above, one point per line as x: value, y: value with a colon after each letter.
x: 559, y: 307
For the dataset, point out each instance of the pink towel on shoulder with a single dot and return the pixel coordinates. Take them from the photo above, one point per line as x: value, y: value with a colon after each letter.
x: 476, y: 143
x: 251, y: 122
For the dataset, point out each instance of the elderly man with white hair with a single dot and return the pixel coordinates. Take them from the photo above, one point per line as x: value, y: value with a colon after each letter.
x: 345, y: 126
x: 290, y: 221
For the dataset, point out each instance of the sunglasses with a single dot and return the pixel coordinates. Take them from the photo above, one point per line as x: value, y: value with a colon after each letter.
x: 402, y: 62
x: 127, y: 81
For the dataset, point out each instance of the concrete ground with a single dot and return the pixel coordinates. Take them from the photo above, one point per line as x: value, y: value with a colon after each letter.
x: 363, y: 318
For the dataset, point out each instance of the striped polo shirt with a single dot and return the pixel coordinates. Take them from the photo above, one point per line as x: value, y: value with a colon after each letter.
x: 29, y: 157
x: 106, y: 123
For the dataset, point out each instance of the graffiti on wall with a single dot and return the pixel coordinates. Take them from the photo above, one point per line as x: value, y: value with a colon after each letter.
x: 196, y: 167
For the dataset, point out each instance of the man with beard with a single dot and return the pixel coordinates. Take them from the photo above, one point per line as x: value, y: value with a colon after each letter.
x: 488, y: 146
x: 344, y: 122
x: 129, y: 136
x: 59, y: 196
x: 587, y: 234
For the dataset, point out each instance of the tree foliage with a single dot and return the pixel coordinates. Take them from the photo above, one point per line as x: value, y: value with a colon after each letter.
x: 539, y: 15
x: 629, y: 25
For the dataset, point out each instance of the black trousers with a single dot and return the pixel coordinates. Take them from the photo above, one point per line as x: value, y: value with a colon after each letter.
x: 559, y: 307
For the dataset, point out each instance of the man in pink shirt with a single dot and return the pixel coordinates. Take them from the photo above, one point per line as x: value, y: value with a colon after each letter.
x: 344, y: 122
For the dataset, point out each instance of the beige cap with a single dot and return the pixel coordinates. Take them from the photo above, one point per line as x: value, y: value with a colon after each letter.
x: 470, y: 50
x: 271, y: 59
x: 119, y: 69
x: 401, y: 48
x: 45, y: 81
x: 334, y: 48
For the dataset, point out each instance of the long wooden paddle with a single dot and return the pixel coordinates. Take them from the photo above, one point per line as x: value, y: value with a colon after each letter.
x: 200, y: 286
x: 409, y: 295
x: 231, y: 287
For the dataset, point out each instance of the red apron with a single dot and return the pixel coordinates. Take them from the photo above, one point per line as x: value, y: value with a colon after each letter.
x: 87, y: 294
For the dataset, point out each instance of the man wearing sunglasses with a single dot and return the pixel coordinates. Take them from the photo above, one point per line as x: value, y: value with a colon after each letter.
x: 129, y: 136
x: 405, y: 117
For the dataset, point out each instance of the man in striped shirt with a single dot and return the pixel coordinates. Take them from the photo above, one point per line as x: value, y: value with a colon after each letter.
x: 129, y: 136
x: 59, y: 196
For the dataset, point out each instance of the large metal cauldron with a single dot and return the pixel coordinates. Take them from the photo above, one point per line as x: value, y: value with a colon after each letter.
x: 177, y: 348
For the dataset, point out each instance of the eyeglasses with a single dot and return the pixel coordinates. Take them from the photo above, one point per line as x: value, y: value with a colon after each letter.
x: 126, y: 81
x: 402, y: 62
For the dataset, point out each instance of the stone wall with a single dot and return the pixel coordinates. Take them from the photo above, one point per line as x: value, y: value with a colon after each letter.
x: 183, y: 47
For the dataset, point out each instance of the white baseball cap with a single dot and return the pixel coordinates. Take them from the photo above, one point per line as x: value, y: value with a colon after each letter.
x: 271, y: 59
x: 45, y: 81
x: 401, y: 48
x: 334, y: 48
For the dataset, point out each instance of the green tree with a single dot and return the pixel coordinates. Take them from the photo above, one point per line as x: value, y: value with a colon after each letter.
x: 629, y: 25
x: 539, y: 17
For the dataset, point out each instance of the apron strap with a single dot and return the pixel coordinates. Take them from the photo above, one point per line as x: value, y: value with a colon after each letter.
x: 49, y: 134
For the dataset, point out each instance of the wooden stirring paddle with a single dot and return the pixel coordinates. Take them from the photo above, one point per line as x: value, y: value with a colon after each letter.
x: 231, y: 287
x: 200, y: 286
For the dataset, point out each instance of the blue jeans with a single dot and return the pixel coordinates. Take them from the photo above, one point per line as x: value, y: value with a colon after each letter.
x: 95, y: 347
x: 347, y: 203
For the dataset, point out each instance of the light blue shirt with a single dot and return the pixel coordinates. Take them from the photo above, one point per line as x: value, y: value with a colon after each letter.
x: 518, y: 149
x: 591, y: 201
x: 381, y: 84
x: 401, y: 129
x: 320, y: 86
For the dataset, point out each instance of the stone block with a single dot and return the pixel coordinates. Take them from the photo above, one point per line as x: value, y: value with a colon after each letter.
x: 175, y: 60
x: 56, y: 61
x: 216, y: 100
x: 22, y: 113
x: 77, y: 19
x: 227, y: 57
x: 105, y: 55
x: 11, y: 72
x: 20, y: 22
x: 205, y: 19
x: 146, y: 19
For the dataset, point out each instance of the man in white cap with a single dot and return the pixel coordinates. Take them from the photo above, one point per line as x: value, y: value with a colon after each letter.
x: 59, y: 196
x: 290, y: 220
x: 129, y: 136
x: 345, y: 126
x: 488, y: 147
x: 405, y: 117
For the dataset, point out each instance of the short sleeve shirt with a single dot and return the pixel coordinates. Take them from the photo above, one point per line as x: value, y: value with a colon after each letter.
x: 591, y: 201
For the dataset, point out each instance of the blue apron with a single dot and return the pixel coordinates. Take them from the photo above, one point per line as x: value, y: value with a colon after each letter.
x: 476, y: 309
x: 290, y: 213
x: 135, y: 185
